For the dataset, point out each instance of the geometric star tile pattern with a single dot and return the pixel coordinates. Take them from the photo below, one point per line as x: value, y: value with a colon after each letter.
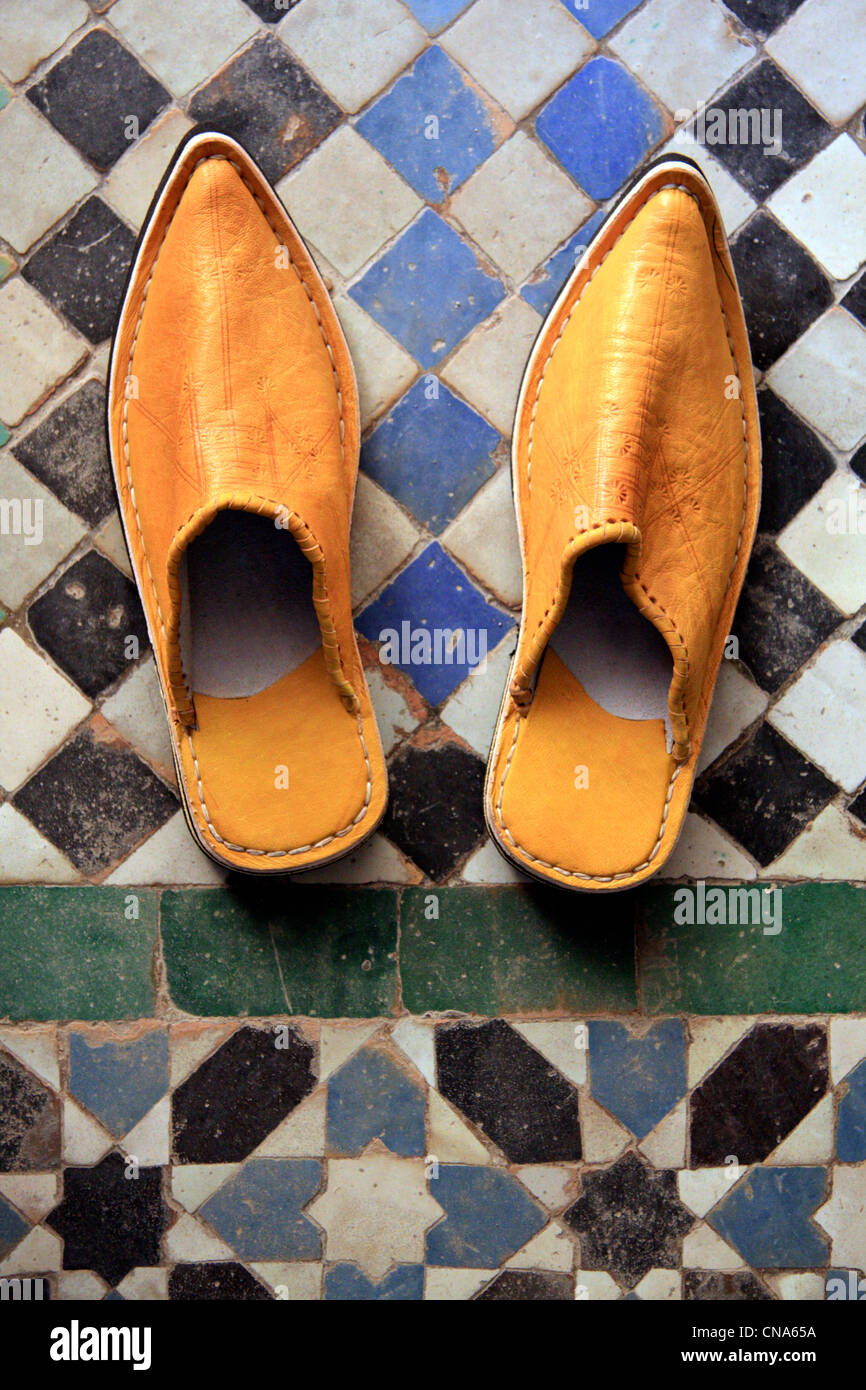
x: 367, y: 1212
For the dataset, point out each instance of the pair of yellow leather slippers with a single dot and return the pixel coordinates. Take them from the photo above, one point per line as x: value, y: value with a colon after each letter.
x: 234, y: 437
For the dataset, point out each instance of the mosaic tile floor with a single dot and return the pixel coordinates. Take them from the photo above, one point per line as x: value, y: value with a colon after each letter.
x: 445, y: 160
x: 536, y: 1160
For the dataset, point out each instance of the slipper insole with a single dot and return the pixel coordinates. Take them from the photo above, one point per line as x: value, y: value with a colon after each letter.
x: 247, y: 605
x: 621, y: 661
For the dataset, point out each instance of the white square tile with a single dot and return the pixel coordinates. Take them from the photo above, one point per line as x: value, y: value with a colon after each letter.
x: 33, y: 156
x: 134, y: 179
x: 26, y: 856
x: 484, y: 539
x: 36, y: 348
x: 110, y: 540
x: 519, y: 205
x: 170, y: 855
x: 684, y: 50
x: 823, y: 47
x: 347, y: 201
x: 487, y: 865
x: 472, y: 710
x: 382, y: 367
x: 705, y: 851
x: 735, y: 204
x: 488, y: 367
x: 354, y: 49
x: 36, y: 544
x: 382, y: 539
x: 822, y: 377
x: 823, y: 206
x: 38, y: 708
x: 737, y: 703
x: 519, y: 50
x: 824, y: 714
x: 827, y: 541
x: 184, y: 44
x: 377, y: 861
x: 394, y: 718
x: 137, y: 712
x: 829, y: 848
x: 34, y: 28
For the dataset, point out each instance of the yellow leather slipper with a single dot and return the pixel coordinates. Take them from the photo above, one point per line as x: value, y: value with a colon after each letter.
x: 636, y: 470
x: 233, y: 428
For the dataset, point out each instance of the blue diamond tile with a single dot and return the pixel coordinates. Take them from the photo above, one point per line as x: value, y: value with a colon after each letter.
x: 851, y: 1118
x: 119, y: 1081
x: 435, y: 14
x: 431, y: 126
x: 415, y: 615
x: 488, y: 1216
x: 12, y: 1228
x: 599, y: 16
x: 600, y: 126
x: 432, y: 452
x: 428, y: 290
x: 767, y: 1218
x: 258, y: 1211
x: 347, y: 1283
x: 637, y: 1079
x: 371, y: 1097
x: 545, y: 285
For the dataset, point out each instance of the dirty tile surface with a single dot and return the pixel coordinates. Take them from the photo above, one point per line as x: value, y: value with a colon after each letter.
x: 461, y: 1177
x: 417, y: 1075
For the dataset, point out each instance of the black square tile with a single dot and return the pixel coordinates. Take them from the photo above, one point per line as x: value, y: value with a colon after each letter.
x: 765, y: 794
x: 763, y: 16
x: 82, y: 270
x: 69, y: 454
x: 855, y: 300
x: 783, y: 289
x: 858, y: 462
x: 238, y: 1095
x: 781, y: 618
x: 270, y: 103
x: 84, y: 622
x: 757, y: 1094
x: 509, y: 1090
x: 96, y: 800
x: 795, y: 462
x: 859, y: 638
x: 857, y: 807
x: 99, y: 97
x: 435, y: 812
x: 787, y: 116
x: 271, y: 11
x: 109, y: 1222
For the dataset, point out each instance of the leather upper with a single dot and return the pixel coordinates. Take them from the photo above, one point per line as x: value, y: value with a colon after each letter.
x: 232, y: 388
x: 637, y: 425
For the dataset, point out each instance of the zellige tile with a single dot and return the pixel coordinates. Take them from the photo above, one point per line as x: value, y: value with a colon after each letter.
x: 38, y: 709
x: 487, y: 39
x: 28, y: 141
x: 184, y: 46
x: 519, y: 205
x: 822, y: 207
x: 353, y: 51
x: 367, y: 205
